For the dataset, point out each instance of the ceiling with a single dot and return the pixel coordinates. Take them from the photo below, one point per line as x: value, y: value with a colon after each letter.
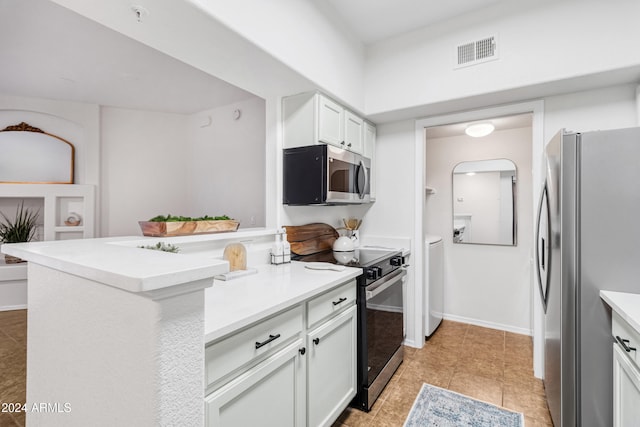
x: 372, y: 21
x: 500, y: 123
x: 54, y: 53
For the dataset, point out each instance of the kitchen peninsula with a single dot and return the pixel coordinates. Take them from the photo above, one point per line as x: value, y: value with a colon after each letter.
x: 120, y: 335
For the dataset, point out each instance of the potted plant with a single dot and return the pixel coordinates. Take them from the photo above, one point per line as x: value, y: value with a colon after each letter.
x: 21, y: 229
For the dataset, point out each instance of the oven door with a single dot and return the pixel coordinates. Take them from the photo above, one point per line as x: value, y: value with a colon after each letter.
x: 385, y: 327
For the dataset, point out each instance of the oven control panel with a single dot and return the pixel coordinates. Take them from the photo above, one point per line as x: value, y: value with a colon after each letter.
x: 373, y: 273
x: 397, y: 261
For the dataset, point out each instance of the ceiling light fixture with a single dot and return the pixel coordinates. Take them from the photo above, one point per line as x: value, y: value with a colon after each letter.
x: 478, y: 130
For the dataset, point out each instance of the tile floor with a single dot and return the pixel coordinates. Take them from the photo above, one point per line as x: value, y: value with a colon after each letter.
x: 13, y: 364
x: 486, y: 364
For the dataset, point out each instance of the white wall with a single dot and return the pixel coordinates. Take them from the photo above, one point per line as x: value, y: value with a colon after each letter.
x: 541, y: 42
x: 392, y: 213
x: 144, y: 167
x: 599, y: 109
x: 484, y: 284
x: 226, y: 163
x: 309, y: 39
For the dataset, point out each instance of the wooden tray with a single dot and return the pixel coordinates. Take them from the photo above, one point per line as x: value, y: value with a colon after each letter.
x: 186, y: 228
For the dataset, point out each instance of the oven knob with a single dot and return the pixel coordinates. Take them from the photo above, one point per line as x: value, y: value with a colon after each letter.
x: 373, y: 273
x: 397, y: 261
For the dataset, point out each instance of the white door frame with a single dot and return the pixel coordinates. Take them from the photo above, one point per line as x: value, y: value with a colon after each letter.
x: 537, y: 143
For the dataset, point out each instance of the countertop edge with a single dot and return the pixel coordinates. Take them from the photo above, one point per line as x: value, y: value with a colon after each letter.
x: 101, y: 261
x: 626, y: 304
x: 217, y: 334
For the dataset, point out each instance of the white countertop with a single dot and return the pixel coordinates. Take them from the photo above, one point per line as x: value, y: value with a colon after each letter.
x: 627, y: 305
x: 114, y: 262
x: 234, y: 304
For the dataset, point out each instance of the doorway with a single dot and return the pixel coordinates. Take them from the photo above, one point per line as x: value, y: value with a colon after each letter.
x: 424, y: 224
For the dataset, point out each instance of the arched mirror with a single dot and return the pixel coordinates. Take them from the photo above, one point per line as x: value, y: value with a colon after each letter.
x: 30, y: 155
x: 484, y: 202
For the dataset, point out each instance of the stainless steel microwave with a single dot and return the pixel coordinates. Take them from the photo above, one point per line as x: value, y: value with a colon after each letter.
x: 325, y: 175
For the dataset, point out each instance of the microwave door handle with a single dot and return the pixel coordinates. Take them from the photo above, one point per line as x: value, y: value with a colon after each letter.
x: 362, y: 191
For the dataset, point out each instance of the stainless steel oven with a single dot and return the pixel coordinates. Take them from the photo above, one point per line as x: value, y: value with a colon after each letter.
x: 381, y: 333
x: 380, y: 300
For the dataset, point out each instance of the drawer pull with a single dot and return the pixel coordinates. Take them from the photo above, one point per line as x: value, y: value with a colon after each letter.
x: 316, y: 341
x: 340, y: 301
x: 267, y: 341
x: 624, y: 345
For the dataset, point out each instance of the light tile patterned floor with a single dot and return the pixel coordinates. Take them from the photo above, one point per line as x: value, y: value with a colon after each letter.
x: 486, y: 364
x: 13, y: 363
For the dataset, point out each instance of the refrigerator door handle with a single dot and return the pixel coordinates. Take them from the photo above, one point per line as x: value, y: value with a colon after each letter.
x: 543, y: 260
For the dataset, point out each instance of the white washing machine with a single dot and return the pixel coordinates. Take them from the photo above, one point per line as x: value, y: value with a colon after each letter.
x: 433, y: 293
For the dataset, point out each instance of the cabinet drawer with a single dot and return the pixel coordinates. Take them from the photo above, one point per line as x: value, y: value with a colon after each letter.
x: 225, y: 356
x: 620, y: 328
x: 331, y: 302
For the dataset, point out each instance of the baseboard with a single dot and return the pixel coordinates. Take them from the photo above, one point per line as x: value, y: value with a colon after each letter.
x: 485, y: 324
x: 410, y: 343
x: 13, y: 307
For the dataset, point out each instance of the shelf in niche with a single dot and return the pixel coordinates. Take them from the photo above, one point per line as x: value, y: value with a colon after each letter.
x: 11, y: 272
x: 68, y: 228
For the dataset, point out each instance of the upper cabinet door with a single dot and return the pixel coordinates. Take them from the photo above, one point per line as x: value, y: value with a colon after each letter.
x: 330, y: 122
x: 369, y: 151
x: 353, y: 132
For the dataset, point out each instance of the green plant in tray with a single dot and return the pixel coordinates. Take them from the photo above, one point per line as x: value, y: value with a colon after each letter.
x: 161, y: 246
x: 171, y: 218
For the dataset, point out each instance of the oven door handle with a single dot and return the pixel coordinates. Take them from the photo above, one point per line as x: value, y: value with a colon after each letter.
x: 380, y: 285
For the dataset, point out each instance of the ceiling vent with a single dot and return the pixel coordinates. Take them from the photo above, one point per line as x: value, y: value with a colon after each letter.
x: 476, y: 52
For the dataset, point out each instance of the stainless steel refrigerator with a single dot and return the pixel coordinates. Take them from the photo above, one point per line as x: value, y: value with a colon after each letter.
x: 588, y: 240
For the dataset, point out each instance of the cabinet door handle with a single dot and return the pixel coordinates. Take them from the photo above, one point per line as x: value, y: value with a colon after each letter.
x: 302, y: 351
x: 349, y: 145
x: 316, y: 341
x: 342, y: 143
x: 340, y: 301
x: 267, y: 341
x: 624, y: 345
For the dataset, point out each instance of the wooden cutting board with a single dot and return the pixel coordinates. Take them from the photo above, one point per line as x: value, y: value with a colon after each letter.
x: 311, y: 238
x: 236, y: 254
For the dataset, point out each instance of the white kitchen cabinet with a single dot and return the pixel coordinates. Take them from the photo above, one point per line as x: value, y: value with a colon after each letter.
x: 369, y: 151
x: 245, y: 347
x: 626, y: 375
x: 270, y: 394
x: 295, y: 368
x: 330, y: 121
x: 626, y: 389
x: 353, y: 132
x: 331, y: 350
x: 313, y: 118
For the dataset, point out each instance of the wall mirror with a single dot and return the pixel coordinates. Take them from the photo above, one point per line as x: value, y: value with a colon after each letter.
x: 484, y: 202
x: 30, y: 155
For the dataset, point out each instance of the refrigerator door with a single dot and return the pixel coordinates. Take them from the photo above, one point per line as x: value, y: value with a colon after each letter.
x: 560, y: 195
x: 609, y: 255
